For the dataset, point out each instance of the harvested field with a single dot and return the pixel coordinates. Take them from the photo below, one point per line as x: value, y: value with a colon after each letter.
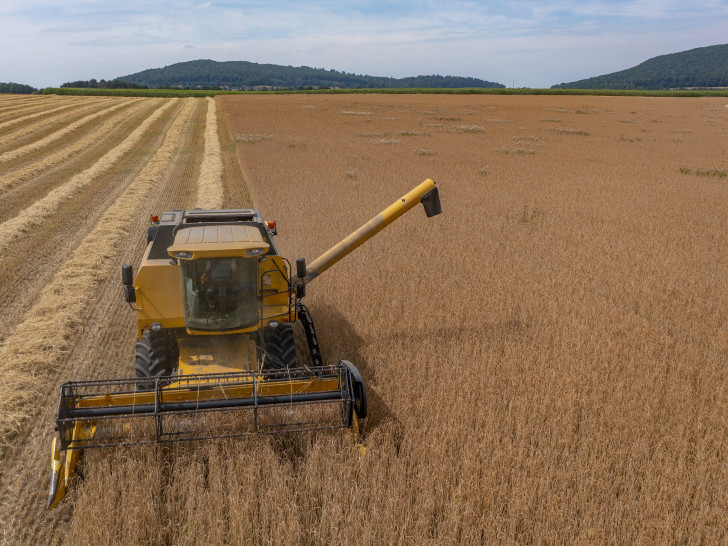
x: 67, y: 128
x: 545, y: 362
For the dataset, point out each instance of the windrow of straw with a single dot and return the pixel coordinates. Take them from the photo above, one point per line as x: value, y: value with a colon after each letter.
x: 9, y: 180
x: 43, y: 112
x: 18, y: 130
x: 209, y: 183
x: 57, y: 135
x: 24, y: 107
x: 38, y: 211
x: 35, y: 351
x: 12, y: 98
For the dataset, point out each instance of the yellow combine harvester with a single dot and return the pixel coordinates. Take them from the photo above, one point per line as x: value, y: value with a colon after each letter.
x: 216, y: 355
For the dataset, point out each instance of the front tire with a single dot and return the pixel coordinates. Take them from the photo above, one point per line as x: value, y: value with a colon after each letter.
x: 280, y: 347
x: 153, y: 357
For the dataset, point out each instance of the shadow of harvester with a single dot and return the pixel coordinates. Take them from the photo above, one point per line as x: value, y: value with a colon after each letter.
x: 339, y: 341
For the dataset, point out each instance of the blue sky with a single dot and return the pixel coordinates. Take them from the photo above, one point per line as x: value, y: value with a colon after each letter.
x: 523, y: 42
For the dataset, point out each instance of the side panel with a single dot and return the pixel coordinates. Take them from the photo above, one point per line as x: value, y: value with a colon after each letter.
x: 158, y: 286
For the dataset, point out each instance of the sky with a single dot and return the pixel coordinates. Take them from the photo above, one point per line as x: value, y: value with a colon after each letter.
x: 521, y: 43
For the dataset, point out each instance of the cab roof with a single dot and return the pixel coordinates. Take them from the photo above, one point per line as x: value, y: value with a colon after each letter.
x: 217, y: 241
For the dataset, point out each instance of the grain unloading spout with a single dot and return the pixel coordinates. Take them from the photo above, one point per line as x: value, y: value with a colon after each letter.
x: 426, y: 193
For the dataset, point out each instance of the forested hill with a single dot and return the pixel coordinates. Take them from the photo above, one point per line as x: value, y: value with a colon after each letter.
x: 701, y: 67
x: 243, y: 74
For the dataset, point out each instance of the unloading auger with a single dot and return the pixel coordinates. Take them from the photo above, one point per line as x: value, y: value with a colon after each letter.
x: 216, y: 355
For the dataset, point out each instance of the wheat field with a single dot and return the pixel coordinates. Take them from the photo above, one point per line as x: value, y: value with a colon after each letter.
x: 545, y: 361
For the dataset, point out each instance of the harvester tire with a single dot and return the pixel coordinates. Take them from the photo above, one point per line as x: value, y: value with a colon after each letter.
x: 152, y: 357
x: 280, y: 347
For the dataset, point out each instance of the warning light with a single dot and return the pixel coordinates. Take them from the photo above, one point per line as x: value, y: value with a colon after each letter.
x: 155, y: 219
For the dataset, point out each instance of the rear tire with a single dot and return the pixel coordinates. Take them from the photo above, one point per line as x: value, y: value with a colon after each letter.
x: 280, y: 347
x: 153, y: 357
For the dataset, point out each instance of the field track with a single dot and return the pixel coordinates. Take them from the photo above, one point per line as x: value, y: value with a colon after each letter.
x: 546, y: 362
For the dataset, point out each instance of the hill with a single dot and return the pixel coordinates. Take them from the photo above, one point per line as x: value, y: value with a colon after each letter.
x: 243, y: 74
x: 701, y: 67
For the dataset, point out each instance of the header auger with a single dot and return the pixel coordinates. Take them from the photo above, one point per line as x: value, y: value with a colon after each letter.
x: 216, y: 354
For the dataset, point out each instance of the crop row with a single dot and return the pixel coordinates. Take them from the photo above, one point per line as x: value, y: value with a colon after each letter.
x: 210, y: 188
x: 34, y: 214
x: 59, y: 134
x: 7, y: 181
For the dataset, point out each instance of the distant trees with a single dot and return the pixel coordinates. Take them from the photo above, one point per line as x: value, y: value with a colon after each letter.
x: 103, y: 84
x: 17, y: 88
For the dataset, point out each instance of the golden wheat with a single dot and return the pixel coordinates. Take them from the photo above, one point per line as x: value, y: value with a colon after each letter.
x: 545, y: 361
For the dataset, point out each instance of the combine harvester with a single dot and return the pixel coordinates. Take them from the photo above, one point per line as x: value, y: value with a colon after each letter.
x: 216, y: 356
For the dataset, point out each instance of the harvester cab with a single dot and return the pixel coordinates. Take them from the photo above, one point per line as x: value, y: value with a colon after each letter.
x: 216, y: 306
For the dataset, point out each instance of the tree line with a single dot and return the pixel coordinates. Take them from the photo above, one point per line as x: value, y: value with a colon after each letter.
x: 103, y: 84
x: 17, y: 88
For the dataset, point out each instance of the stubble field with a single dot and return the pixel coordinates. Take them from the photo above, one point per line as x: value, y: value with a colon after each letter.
x: 546, y: 361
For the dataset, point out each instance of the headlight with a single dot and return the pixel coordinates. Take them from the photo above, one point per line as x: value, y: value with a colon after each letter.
x: 255, y: 251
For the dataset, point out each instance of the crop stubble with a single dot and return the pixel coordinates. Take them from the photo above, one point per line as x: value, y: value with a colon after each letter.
x: 34, y: 168
x: 24, y: 112
x: 545, y: 361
